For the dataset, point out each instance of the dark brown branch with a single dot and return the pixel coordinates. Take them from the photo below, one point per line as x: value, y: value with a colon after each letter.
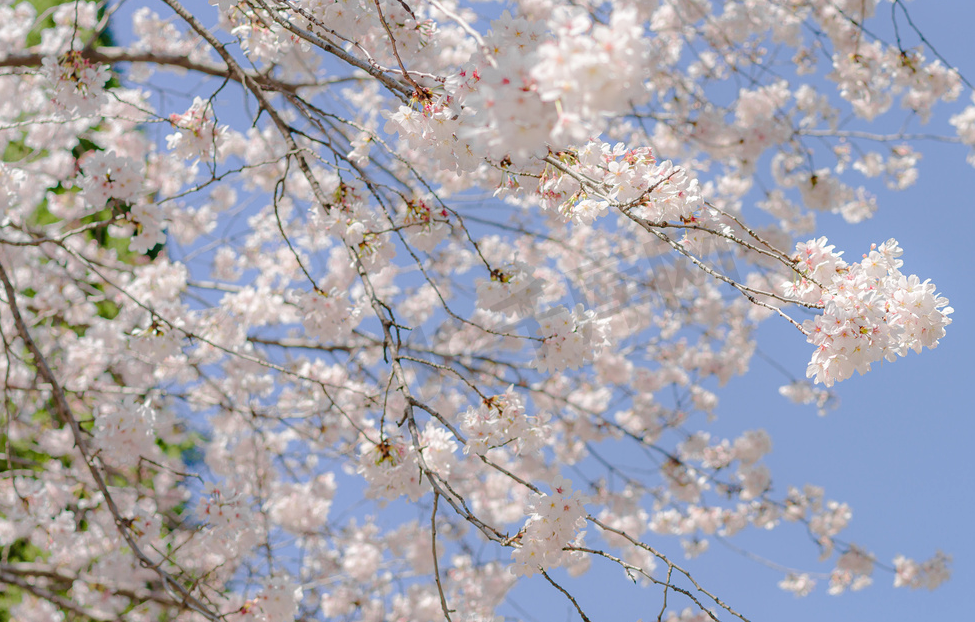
x: 63, y: 603
x: 30, y: 569
x: 120, y: 55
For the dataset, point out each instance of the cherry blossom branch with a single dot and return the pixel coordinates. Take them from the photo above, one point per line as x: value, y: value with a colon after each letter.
x: 924, y: 40
x: 31, y: 569
x: 663, y: 605
x: 306, y: 344
x: 372, y: 69
x: 41, y: 592
x: 629, y: 569
x: 653, y: 226
x: 776, y: 255
x: 420, y: 92
x: 571, y: 598
x: 773, y: 252
x: 880, y: 138
x: 599, y: 187
x: 253, y: 87
x: 460, y: 21
x: 761, y: 560
x: 747, y: 292
x: 306, y: 107
x: 112, y: 55
x: 436, y: 561
x: 37, y: 240
x: 280, y: 185
x: 392, y: 344
x: 669, y: 563
x: 436, y: 288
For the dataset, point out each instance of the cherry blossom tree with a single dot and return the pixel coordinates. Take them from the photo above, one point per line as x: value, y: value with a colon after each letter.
x: 311, y: 308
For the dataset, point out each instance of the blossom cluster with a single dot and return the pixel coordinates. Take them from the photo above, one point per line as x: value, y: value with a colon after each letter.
x: 501, y: 420
x: 512, y: 290
x: 603, y: 175
x: 425, y: 225
x: 528, y: 89
x: 108, y: 175
x: 803, y: 392
x: 328, y: 316
x: 303, y: 507
x: 871, y: 311
x: 11, y: 180
x: 125, y: 432
x: 534, y: 85
x: 853, y: 570
x: 76, y: 85
x: 197, y: 134
x: 929, y: 574
x: 277, y: 602
x: 230, y: 527
x: 554, y: 522
x: 391, y: 468
x: 570, y: 339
